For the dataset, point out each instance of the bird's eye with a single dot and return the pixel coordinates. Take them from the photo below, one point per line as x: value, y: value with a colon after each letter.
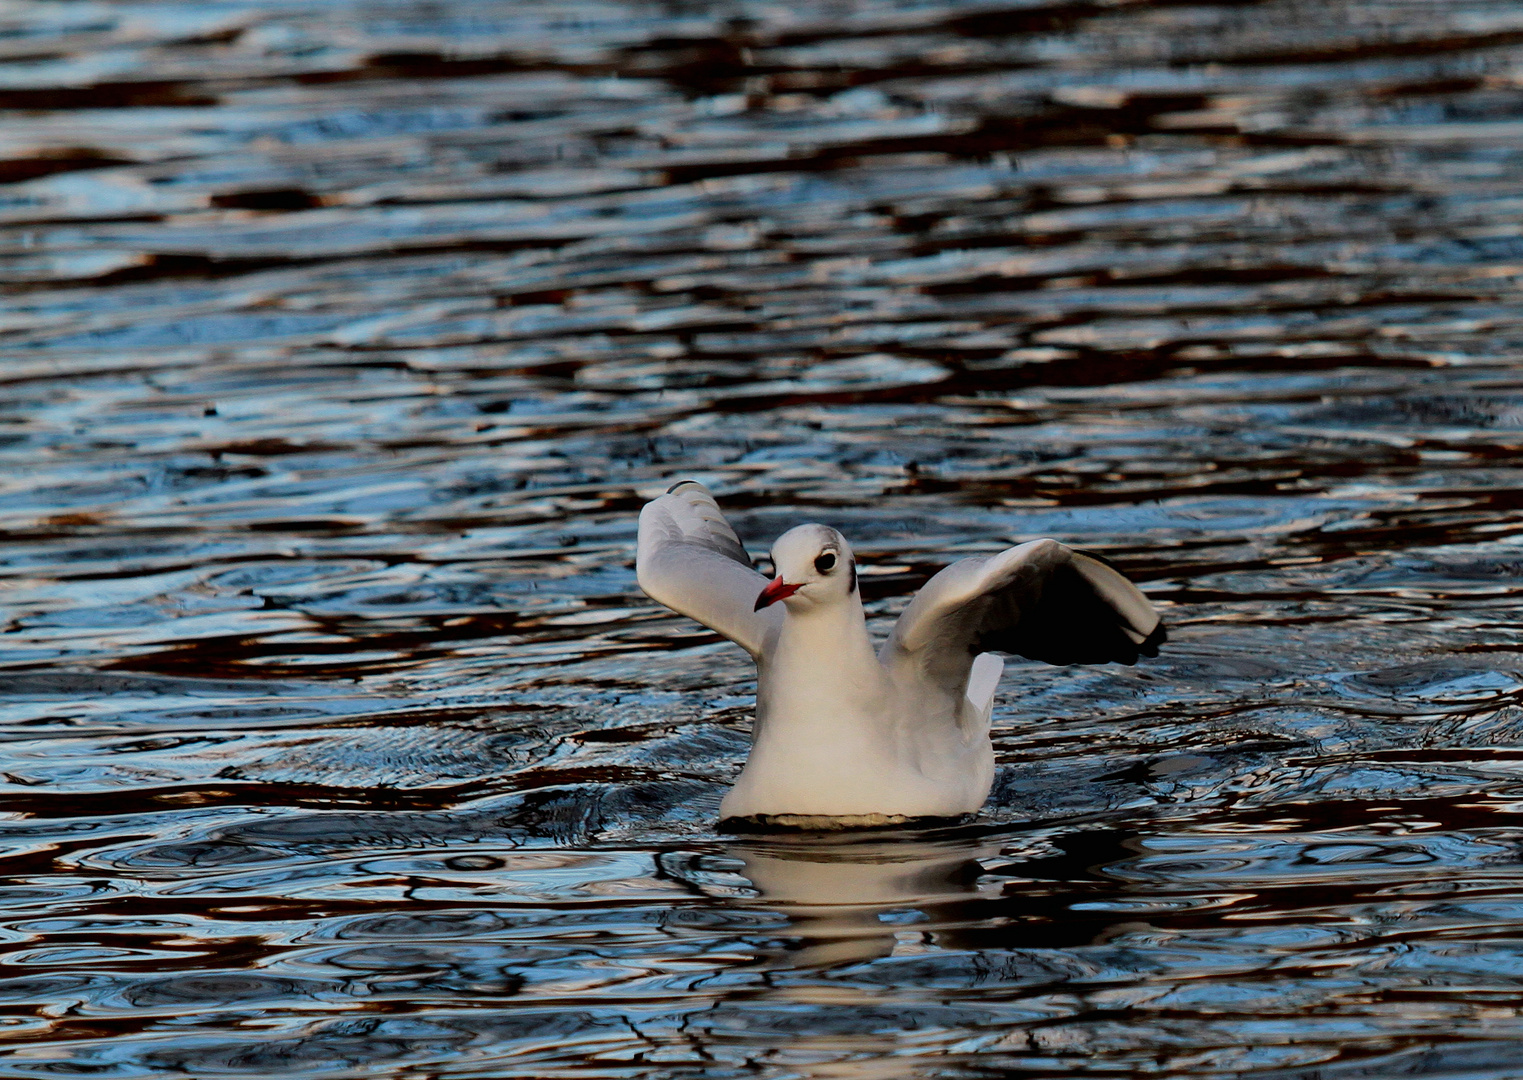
x: 826, y: 562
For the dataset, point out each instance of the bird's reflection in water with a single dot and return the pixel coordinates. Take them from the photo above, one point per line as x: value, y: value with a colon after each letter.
x: 857, y: 897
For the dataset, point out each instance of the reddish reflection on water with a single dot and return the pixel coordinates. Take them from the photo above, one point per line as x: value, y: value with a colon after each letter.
x: 343, y: 341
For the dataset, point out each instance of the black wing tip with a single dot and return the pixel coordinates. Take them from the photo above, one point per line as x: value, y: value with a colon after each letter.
x: 1095, y: 647
x: 1063, y: 618
x: 1148, y: 647
x: 679, y: 484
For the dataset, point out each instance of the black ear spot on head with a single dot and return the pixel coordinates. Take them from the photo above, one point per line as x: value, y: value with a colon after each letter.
x: 825, y: 563
x: 852, y: 566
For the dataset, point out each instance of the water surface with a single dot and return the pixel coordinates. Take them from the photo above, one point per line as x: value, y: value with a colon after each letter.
x: 343, y: 341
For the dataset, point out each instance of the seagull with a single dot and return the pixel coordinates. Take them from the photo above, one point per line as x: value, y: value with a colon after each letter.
x: 846, y: 736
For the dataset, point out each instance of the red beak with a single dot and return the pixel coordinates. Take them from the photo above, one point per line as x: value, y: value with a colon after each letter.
x: 776, y: 590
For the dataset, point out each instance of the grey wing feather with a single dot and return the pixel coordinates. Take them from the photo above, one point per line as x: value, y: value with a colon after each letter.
x: 691, y: 560
x: 1041, y: 600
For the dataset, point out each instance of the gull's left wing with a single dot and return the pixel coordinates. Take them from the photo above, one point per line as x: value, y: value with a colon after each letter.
x: 691, y: 560
x: 1041, y: 600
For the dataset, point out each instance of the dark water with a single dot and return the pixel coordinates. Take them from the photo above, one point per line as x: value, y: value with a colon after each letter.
x: 344, y: 340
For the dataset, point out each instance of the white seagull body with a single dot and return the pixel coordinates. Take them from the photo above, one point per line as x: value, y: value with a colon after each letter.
x: 845, y: 736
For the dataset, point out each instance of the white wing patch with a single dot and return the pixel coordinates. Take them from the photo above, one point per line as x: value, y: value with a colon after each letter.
x: 983, y: 680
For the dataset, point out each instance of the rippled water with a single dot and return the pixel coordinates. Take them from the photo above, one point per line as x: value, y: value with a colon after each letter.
x: 344, y: 340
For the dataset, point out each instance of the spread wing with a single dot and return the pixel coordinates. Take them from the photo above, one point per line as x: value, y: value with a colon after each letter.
x: 1041, y: 600
x: 691, y: 560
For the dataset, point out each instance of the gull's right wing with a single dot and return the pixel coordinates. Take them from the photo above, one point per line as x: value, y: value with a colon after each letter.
x: 691, y: 560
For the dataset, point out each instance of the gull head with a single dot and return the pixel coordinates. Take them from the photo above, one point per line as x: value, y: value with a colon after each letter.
x: 814, y: 566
